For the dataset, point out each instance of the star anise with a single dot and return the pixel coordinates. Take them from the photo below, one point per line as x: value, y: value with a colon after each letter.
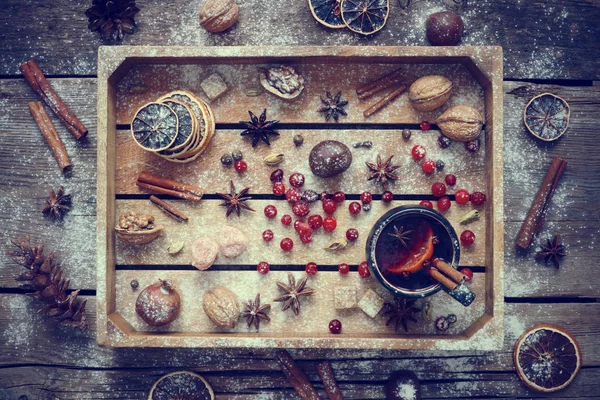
x: 112, y: 18
x: 400, y: 312
x: 333, y: 107
x: 259, y: 128
x: 235, y: 201
x: 552, y: 251
x: 293, y: 292
x: 255, y: 312
x: 401, y: 235
x: 382, y: 172
x: 57, y: 204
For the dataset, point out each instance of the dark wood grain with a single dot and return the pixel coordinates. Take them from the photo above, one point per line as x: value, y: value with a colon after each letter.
x: 553, y: 39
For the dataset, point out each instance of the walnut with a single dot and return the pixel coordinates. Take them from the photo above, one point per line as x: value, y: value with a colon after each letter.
x: 137, y: 228
x: 134, y: 221
x: 218, y: 15
x: 461, y: 123
x: 284, y: 81
x: 221, y: 306
x: 429, y: 92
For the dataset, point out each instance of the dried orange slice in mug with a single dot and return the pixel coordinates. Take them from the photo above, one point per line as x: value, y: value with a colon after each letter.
x: 547, y: 358
x: 181, y: 385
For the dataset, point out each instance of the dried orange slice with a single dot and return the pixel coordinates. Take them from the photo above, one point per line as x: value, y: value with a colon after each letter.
x: 365, y: 16
x: 420, y: 249
x: 155, y: 127
x: 547, y: 116
x: 181, y: 385
x: 547, y: 358
x: 327, y: 12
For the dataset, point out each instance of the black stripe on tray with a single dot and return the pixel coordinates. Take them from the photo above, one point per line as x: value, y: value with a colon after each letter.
x: 211, y: 196
x: 238, y: 267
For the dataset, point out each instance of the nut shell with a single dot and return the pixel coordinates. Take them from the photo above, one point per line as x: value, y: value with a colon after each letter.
x: 218, y: 15
x: 221, y: 305
x: 430, y: 92
x: 461, y: 123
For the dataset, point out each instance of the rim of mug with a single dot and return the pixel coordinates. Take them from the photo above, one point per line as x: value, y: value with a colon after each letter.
x: 391, y: 216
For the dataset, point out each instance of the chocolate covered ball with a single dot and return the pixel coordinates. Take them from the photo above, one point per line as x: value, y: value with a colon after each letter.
x: 444, y: 28
x: 329, y: 158
x: 403, y: 385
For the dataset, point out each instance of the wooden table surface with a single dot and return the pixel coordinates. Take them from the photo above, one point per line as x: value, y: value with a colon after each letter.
x: 549, y: 46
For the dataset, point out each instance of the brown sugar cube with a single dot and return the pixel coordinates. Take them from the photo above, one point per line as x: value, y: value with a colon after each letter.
x: 345, y: 297
x: 214, y: 86
x: 371, y: 303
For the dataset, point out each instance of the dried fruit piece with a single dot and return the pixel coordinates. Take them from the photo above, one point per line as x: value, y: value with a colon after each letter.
x: 547, y: 358
x: 365, y: 16
x: 155, y: 127
x: 547, y: 116
x: 327, y: 12
x: 181, y: 385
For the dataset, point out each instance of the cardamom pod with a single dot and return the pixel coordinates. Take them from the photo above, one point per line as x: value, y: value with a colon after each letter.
x: 138, y: 89
x: 427, y: 311
x: 253, y: 91
x: 273, y: 159
x: 469, y: 217
x: 336, y: 244
x: 175, y: 248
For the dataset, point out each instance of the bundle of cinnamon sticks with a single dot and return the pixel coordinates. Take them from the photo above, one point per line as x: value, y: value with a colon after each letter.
x: 161, y: 185
x: 302, y: 384
x: 446, y: 275
x: 392, y: 80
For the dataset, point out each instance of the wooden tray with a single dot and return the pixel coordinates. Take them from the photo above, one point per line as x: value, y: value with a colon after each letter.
x: 477, y: 71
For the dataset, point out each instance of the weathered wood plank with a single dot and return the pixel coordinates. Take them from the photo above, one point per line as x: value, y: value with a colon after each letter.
x: 551, y: 39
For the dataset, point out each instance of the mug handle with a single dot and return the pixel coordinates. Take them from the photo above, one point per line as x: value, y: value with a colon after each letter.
x: 462, y: 294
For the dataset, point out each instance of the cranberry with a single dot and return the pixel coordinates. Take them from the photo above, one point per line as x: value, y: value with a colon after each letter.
x: 286, y: 219
x: 473, y: 146
x: 418, y: 152
x: 306, y: 237
x: 297, y: 180
x: 363, y: 270
x: 277, y: 175
x: 354, y: 208
x: 278, y: 189
x: 477, y: 198
x: 335, y: 326
x: 467, y: 238
x: 339, y: 197
x: 301, y: 227
x: 438, y: 189
x: 300, y: 208
x: 267, y: 235
x: 329, y: 206
x: 366, y: 197
x: 240, y: 166
x: 286, y: 244
x: 310, y: 196
x: 468, y: 273
x: 263, y: 267
x: 426, y: 203
x: 351, y: 234
x: 450, y: 180
x: 444, y: 142
x: 462, y: 196
x: 387, y: 196
x: 425, y: 126
x: 315, y: 221
x: 428, y: 166
x: 443, y: 203
x: 270, y: 211
x: 293, y: 195
x: 311, y: 268
x: 329, y: 224
x: 343, y: 268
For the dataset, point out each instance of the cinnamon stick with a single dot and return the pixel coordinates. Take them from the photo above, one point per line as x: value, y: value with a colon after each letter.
x: 168, y: 209
x: 150, y: 181
x: 42, y: 87
x: 385, y: 85
x: 384, y: 102
x: 328, y: 378
x: 378, y: 82
x: 447, y: 269
x: 534, y: 220
x: 49, y: 133
x: 297, y: 378
x: 443, y: 279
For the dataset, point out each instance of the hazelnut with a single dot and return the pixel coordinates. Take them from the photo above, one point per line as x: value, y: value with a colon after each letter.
x: 218, y: 15
x: 430, y: 92
x: 461, y: 123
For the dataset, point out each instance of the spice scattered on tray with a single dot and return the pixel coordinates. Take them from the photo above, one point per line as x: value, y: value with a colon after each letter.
x: 400, y: 312
x: 382, y: 172
x: 333, y: 106
x: 259, y: 128
x: 235, y: 201
x: 255, y: 312
x: 293, y: 292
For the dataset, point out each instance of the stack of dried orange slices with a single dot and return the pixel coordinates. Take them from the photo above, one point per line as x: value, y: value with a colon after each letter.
x: 177, y: 127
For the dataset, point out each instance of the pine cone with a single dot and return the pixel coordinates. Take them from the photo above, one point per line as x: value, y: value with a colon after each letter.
x: 112, y: 18
x: 44, y: 276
